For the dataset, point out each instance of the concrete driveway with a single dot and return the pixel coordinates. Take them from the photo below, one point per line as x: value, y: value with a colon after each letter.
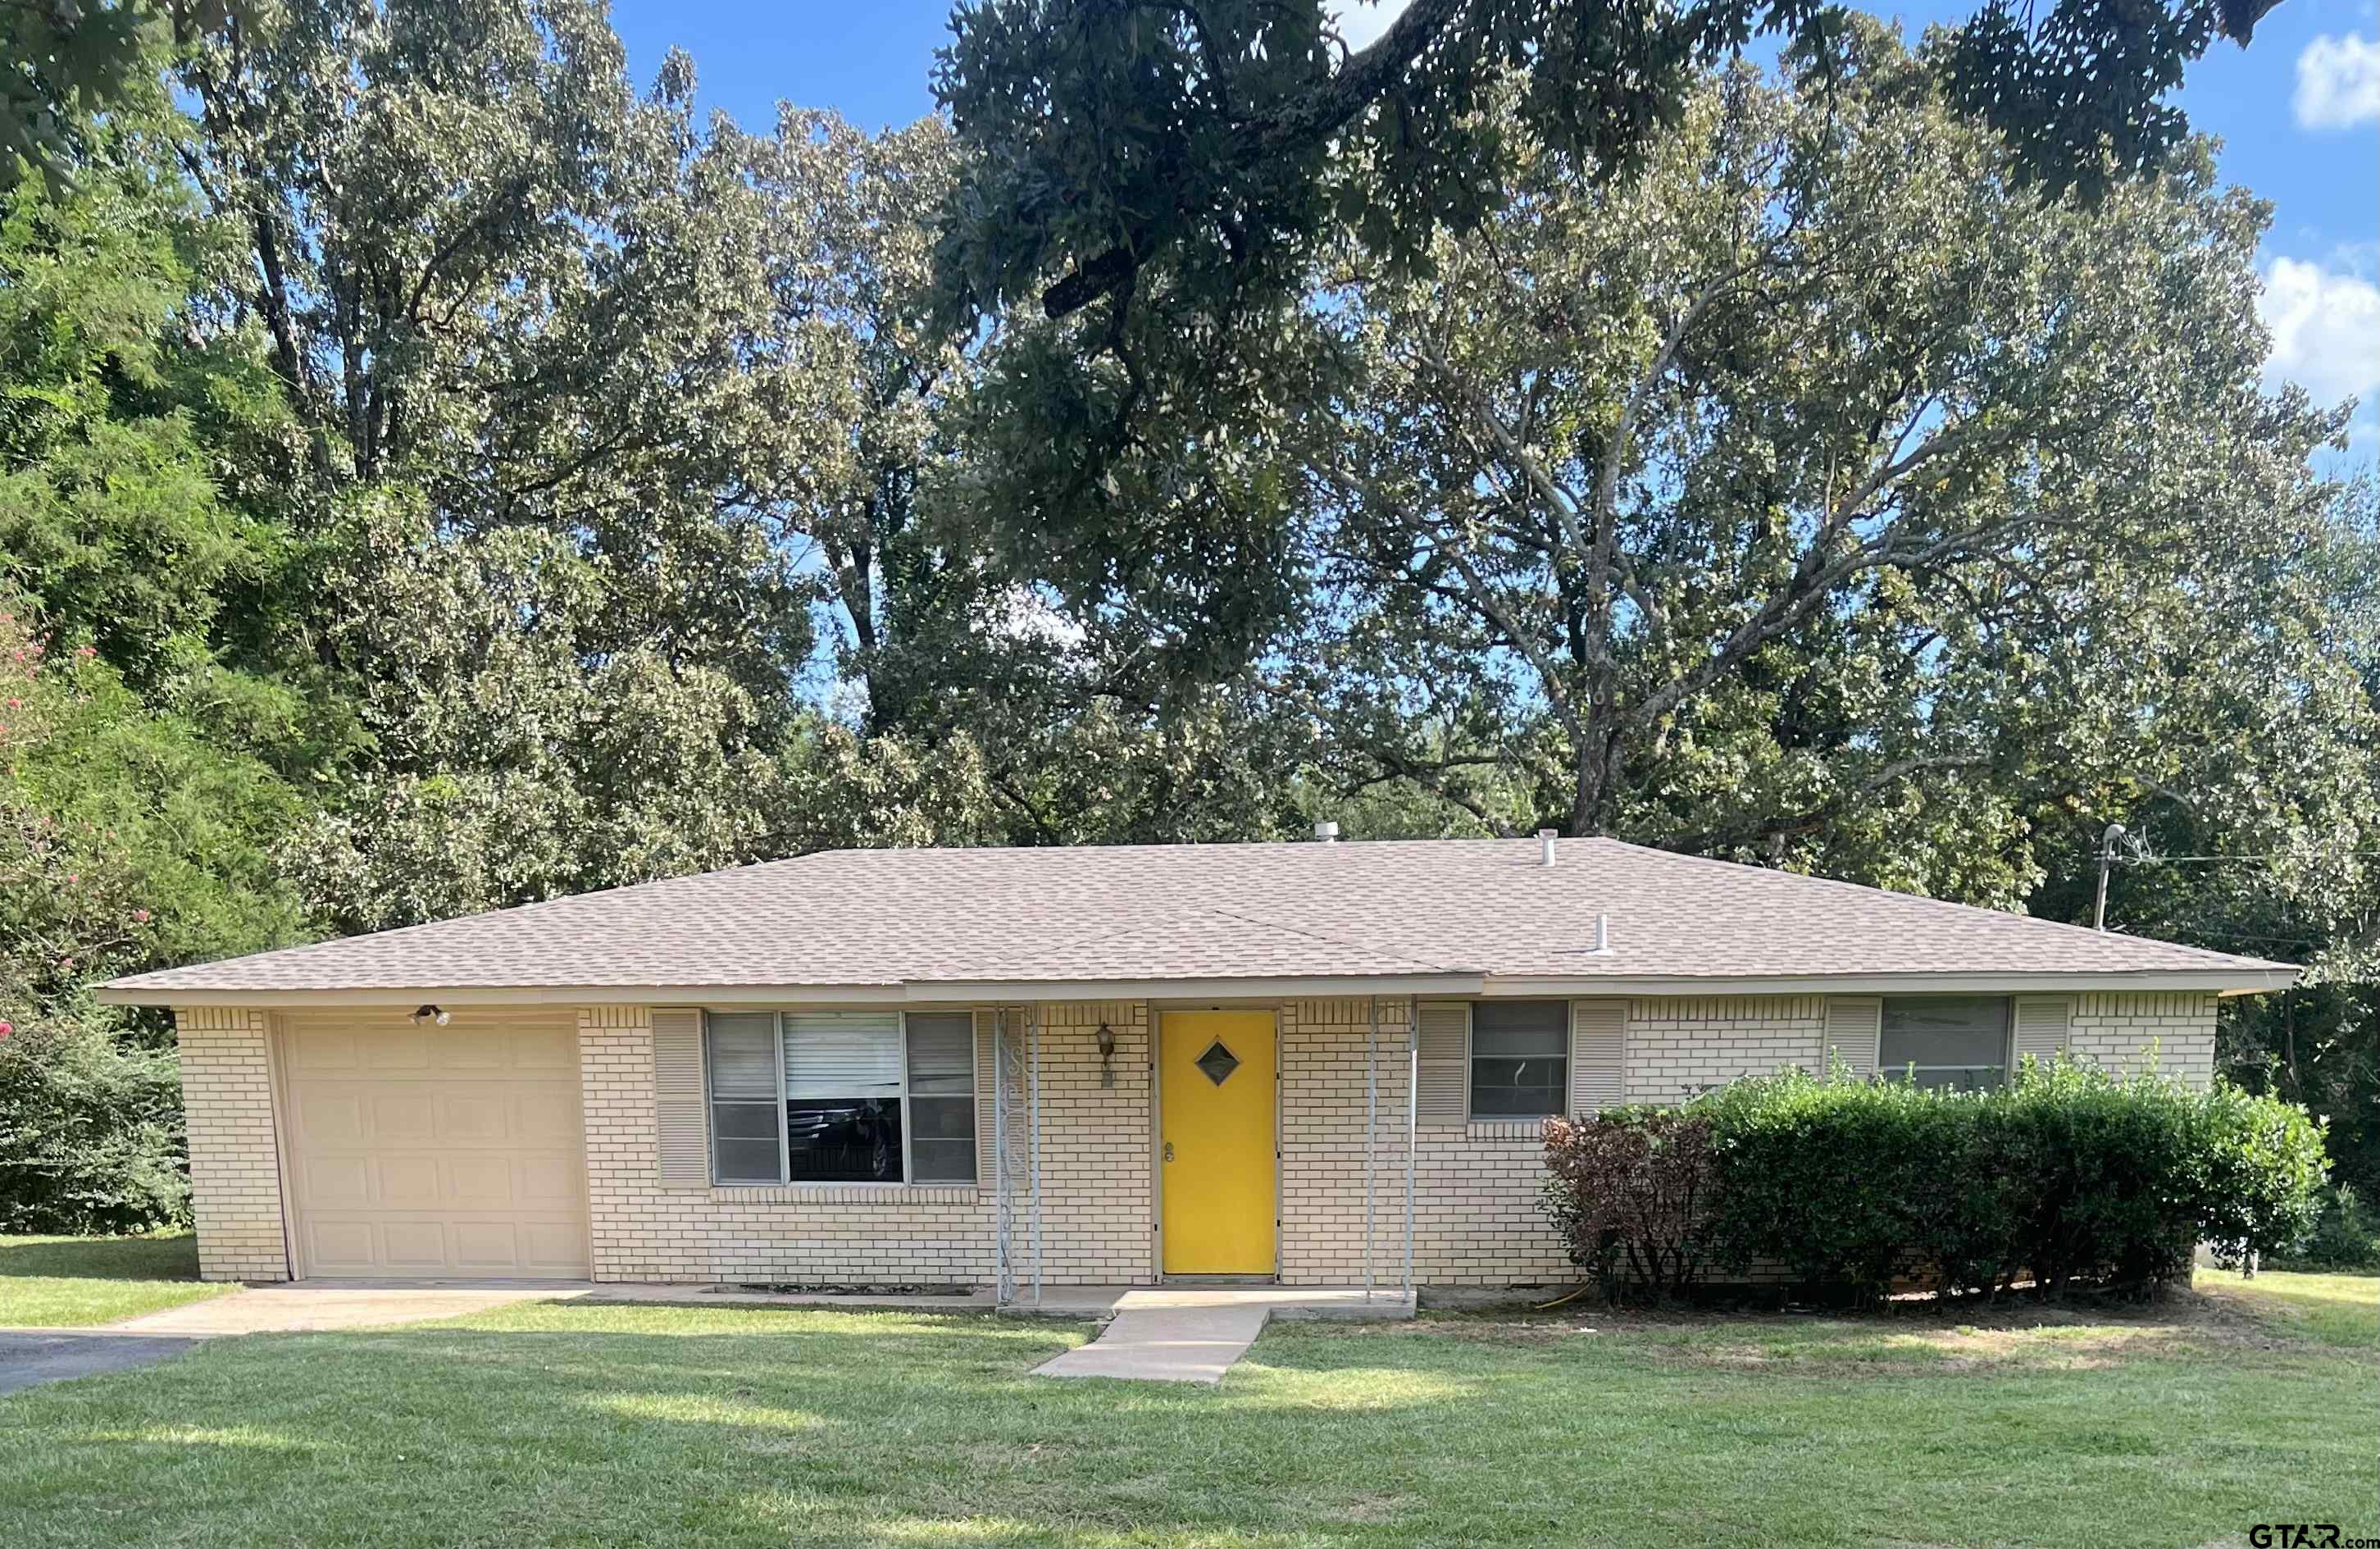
x: 49, y: 1355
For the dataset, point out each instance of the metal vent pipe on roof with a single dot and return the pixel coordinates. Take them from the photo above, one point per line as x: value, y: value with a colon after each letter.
x: 1325, y: 833
x: 1546, y: 837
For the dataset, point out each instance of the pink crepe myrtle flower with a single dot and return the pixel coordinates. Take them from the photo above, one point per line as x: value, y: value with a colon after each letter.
x: 140, y: 917
x: 6, y: 1028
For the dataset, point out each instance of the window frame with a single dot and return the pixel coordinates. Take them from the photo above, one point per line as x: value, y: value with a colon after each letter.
x: 1888, y: 1071
x: 1470, y: 1057
x: 785, y: 1178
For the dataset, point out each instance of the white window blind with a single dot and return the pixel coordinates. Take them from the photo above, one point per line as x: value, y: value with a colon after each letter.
x: 842, y: 1054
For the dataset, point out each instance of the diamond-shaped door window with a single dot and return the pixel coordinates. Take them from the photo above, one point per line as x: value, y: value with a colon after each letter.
x: 1217, y: 1061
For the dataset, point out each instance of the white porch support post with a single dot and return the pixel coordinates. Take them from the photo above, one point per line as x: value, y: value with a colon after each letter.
x: 1003, y: 1271
x: 1413, y: 1124
x: 1033, y: 1034
x: 1371, y: 1139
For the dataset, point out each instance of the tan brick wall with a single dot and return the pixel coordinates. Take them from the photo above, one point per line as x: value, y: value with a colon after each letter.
x: 1476, y: 1220
x: 1678, y: 1048
x: 1095, y: 1183
x: 1476, y: 1215
x: 2126, y: 1031
x: 235, y: 1163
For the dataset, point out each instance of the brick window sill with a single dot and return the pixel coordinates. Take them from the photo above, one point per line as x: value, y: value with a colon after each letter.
x: 844, y: 1194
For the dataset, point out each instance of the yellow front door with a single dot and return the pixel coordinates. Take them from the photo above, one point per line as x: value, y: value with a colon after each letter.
x: 1215, y: 1133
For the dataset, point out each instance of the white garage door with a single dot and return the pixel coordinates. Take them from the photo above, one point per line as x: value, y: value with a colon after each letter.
x: 418, y: 1149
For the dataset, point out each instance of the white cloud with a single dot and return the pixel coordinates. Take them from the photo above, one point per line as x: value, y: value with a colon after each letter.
x: 1362, y: 21
x: 2339, y: 83
x: 2325, y: 328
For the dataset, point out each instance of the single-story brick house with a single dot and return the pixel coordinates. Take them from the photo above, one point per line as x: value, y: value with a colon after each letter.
x: 1325, y: 1063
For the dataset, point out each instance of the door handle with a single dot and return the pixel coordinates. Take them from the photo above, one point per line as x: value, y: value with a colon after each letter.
x: 1168, y: 1150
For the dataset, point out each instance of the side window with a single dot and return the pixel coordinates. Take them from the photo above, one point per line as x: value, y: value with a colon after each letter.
x: 844, y: 1105
x: 1520, y: 1058
x: 1945, y: 1041
x: 941, y: 1096
x: 746, y: 1143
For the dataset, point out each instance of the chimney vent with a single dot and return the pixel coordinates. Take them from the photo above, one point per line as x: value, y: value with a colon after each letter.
x: 1546, y: 837
x: 1602, y: 948
x: 1325, y: 833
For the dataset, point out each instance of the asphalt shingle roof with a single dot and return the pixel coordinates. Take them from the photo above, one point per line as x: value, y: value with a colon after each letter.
x: 1203, y: 912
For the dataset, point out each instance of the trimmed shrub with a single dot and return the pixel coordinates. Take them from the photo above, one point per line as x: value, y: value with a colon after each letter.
x: 2345, y: 1235
x: 1855, y: 1189
x: 1630, y: 1190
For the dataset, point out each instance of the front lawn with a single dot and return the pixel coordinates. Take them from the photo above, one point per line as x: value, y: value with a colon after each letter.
x: 70, y: 1282
x: 562, y: 1423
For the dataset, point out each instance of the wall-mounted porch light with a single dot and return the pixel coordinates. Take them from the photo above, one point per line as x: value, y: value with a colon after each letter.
x: 1107, y: 1056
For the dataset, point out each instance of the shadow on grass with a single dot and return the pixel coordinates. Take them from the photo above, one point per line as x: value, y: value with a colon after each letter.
x: 553, y: 1421
x: 165, y: 1256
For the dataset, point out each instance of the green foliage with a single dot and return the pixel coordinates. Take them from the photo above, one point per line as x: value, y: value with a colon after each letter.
x: 127, y: 841
x: 1161, y: 179
x: 2344, y: 1236
x: 2069, y: 1177
x: 1631, y: 1191
x: 91, y: 1128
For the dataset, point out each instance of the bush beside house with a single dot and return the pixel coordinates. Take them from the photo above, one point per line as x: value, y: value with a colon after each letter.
x: 1852, y: 1189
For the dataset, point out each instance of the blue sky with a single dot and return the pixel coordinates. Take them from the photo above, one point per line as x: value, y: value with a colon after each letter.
x: 2298, y: 113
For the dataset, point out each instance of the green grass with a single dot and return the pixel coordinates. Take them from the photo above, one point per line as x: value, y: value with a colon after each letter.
x: 560, y: 1424
x: 71, y: 1282
x: 2334, y: 1308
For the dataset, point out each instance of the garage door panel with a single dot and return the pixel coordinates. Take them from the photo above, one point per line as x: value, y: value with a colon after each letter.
x: 415, y: 1245
x: 546, y: 1049
x: 342, y: 1247
x: 544, y: 1117
x: 459, y: 1154
x: 337, y: 1181
x: 553, y: 1250
x: 406, y: 1051
x: 481, y: 1182
x: 323, y: 1049
x: 330, y: 1115
x: 402, y: 1117
x: 469, y: 1116
x: 547, y: 1182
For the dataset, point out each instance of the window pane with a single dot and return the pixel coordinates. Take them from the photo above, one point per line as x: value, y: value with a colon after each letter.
x: 1949, y: 1032
x: 941, y: 1052
x: 746, y: 1161
x: 742, y: 1054
x: 842, y: 1054
x: 1515, y: 1041
x: 1515, y: 1102
x: 1505, y: 1088
x: 943, y: 1161
x: 1540, y: 1016
x: 851, y: 1140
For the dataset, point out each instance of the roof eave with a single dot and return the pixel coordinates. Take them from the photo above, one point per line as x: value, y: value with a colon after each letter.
x: 2245, y: 979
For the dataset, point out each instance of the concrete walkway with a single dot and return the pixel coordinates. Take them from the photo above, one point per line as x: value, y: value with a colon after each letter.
x: 1186, y: 1333
x: 1193, y: 1334
x: 48, y: 1355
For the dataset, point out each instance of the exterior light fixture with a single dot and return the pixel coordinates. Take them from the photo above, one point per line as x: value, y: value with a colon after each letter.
x: 1107, y: 1056
x: 430, y: 1014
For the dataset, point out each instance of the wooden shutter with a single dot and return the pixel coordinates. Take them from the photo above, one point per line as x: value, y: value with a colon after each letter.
x: 987, y: 1069
x: 1599, y: 1043
x: 681, y: 1118
x: 2041, y: 1027
x: 1444, y: 1095
x: 1855, y: 1023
